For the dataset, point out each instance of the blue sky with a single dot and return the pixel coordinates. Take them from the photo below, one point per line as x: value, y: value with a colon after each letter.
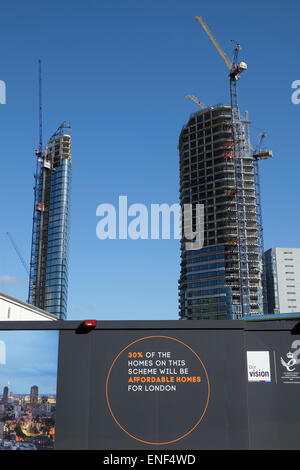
x: 119, y: 71
x: 31, y: 359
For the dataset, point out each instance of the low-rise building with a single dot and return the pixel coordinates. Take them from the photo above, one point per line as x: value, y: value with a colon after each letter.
x: 12, y: 309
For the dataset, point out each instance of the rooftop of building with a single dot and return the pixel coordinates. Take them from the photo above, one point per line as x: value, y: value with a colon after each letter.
x: 27, y: 306
x: 271, y: 316
x: 202, y: 111
x: 282, y: 248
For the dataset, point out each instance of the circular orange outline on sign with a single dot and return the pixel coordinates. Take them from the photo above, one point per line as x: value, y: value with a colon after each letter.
x: 206, y: 405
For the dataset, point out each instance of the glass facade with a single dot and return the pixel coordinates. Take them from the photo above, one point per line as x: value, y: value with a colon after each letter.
x: 272, y: 281
x: 48, y: 287
x: 210, y: 298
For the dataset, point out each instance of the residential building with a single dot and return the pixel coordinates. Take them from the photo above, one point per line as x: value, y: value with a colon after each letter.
x: 210, y: 279
x: 12, y: 309
x: 5, y: 395
x: 48, y: 285
x: 34, y: 395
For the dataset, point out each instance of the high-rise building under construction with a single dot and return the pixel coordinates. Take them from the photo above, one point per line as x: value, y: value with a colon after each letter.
x: 210, y: 280
x: 48, y: 283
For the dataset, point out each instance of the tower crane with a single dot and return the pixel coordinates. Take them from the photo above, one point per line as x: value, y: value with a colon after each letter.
x: 235, y: 69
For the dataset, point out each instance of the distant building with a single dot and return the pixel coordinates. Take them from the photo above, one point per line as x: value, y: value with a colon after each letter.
x: 17, y: 411
x: 12, y: 309
x: 5, y: 395
x: 34, y: 395
x: 283, y: 279
x: 48, y: 284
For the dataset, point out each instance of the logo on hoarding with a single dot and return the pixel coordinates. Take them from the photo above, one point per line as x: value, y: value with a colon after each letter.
x: 259, y: 366
x: 290, y: 364
x: 290, y: 373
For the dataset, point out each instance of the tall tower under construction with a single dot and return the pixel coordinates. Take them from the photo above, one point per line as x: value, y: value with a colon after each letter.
x: 210, y: 279
x: 48, y: 283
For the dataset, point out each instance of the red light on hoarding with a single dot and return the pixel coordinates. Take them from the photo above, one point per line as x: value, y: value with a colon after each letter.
x: 90, y: 323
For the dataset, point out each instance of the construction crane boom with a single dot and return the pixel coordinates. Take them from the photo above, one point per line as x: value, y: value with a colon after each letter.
x: 260, y: 140
x: 214, y: 41
x: 196, y: 100
x: 18, y: 252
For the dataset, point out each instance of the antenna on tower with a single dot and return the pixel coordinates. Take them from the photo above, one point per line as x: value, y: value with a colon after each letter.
x: 40, y: 107
x: 37, y: 219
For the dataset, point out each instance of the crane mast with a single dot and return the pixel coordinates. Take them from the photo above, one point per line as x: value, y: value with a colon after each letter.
x: 238, y: 148
x: 41, y: 205
x: 258, y: 155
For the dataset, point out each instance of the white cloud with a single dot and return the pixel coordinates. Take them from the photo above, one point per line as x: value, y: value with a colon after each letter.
x: 8, y: 280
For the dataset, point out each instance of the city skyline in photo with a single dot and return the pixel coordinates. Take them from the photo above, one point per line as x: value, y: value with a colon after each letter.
x: 31, y: 359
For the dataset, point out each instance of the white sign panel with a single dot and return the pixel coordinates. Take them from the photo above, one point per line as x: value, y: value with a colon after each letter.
x: 259, y: 366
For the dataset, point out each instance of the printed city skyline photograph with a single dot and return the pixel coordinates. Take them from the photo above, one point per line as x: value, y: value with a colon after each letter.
x: 28, y: 376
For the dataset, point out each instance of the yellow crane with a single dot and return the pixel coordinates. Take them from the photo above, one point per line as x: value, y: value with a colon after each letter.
x: 196, y: 100
x: 214, y: 41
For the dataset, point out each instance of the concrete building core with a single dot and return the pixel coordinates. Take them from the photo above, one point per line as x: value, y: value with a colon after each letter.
x: 209, y: 285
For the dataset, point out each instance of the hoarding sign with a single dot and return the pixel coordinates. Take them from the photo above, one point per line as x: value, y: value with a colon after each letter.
x: 158, y: 377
